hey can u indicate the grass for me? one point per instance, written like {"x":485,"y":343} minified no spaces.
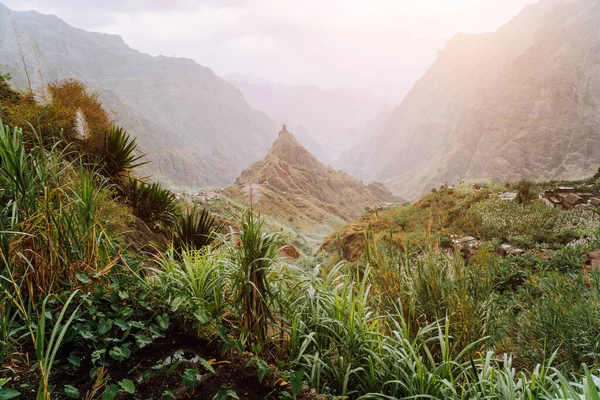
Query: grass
{"x":411,"y":317}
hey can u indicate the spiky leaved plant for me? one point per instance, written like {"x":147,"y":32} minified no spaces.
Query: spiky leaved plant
{"x":120,"y":153}
{"x":152,"y":203}
{"x":250,"y":264}
{"x":195,"y":230}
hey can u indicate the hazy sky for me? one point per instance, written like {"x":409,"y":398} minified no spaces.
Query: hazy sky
{"x":379,"y":45}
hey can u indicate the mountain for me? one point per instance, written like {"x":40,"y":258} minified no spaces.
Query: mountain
{"x":196,"y":127}
{"x":519,"y":103}
{"x":336,"y":118}
{"x":293,"y":187}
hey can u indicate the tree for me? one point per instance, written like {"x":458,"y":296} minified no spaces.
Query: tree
{"x":525,"y":192}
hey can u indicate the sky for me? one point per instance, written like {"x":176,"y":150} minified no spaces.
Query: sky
{"x":381,"y":46}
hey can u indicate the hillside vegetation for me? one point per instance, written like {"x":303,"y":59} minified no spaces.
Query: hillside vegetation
{"x":112,"y":289}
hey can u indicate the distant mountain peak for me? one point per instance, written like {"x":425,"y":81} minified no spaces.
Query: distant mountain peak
{"x":292,"y":183}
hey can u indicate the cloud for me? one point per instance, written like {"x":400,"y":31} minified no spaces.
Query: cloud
{"x":378,"y":45}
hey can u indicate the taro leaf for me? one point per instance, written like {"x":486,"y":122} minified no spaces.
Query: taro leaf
{"x":206,"y":365}
{"x":74,"y":360}
{"x":92,"y":310}
{"x":104,"y":326}
{"x":201,"y":317}
{"x":125,"y":313}
{"x":157,"y":331}
{"x":142,"y":339}
{"x":71,"y":392}
{"x":127,"y":385}
{"x":263,"y":369}
{"x":6,"y":393}
{"x":121,"y":324}
{"x":97,"y":355}
{"x":123,"y":295}
{"x":137,"y":324}
{"x":119,"y":353}
{"x":177,"y":302}
{"x":111,"y":392}
{"x":86,"y":334}
{"x":83,"y":278}
{"x":296,"y":382}
{"x":225,"y":394}
{"x":168,"y":393}
{"x":163,"y":321}
{"x":190,"y":378}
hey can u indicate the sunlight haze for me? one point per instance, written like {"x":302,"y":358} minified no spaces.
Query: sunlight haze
{"x":381,"y":46}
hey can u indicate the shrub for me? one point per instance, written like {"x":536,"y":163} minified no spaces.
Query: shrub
{"x":120,"y":153}
{"x":249,"y":264}
{"x":195,"y":230}
{"x":152,"y":203}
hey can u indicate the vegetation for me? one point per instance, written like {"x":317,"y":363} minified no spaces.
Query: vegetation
{"x":414,"y":315}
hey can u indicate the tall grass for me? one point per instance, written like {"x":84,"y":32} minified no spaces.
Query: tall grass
{"x":252,"y":256}
{"x":54,"y":215}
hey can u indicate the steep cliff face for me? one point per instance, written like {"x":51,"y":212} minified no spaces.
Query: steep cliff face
{"x":521,"y":102}
{"x":196,"y":127}
{"x":291,"y":185}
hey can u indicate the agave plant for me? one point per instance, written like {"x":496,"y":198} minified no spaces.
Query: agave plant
{"x":120,"y":153}
{"x":195,"y":230}
{"x":151,"y":202}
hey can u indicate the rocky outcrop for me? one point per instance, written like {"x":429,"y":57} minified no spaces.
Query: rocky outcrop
{"x":292,"y":186}
{"x":519,"y":103}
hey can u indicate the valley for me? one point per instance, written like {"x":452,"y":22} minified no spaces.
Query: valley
{"x":161,"y":237}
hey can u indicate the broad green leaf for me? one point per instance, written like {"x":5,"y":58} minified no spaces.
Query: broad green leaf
{"x":74,"y":360}
{"x":83,"y":278}
{"x":127,"y":385}
{"x":121,"y":324}
{"x":6,"y":393}
{"x":157,"y":331}
{"x":111,"y":392}
{"x":119,"y":353}
{"x":71,"y":392}
{"x":104,"y":326}
{"x":168,"y":393}
{"x":191,"y":378}
{"x":206,"y":365}
{"x":176,"y":303}
{"x":263,"y":369}
{"x":163,"y":321}
{"x":296,"y":382}
{"x":142,"y":339}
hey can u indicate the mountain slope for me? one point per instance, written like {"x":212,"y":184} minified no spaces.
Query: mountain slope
{"x":293,"y":187}
{"x":336,"y":118}
{"x":518,"y":103}
{"x":196,"y":127}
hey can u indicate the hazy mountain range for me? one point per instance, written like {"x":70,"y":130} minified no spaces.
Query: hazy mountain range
{"x":522,"y":102}
{"x":195,"y":126}
{"x":327,"y":121}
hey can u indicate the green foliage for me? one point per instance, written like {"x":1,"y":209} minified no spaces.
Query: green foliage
{"x":525,"y":192}
{"x":120,"y":153}
{"x":249,"y":264}
{"x":195,"y":230}
{"x":198,"y":274}
{"x":152,"y":203}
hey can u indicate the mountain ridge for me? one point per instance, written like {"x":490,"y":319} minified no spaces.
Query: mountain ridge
{"x":294,"y":187}
{"x":213,"y":132}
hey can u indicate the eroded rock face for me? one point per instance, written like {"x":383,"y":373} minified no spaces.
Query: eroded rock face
{"x":519,"y":103}
{"x":290,"y":183}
